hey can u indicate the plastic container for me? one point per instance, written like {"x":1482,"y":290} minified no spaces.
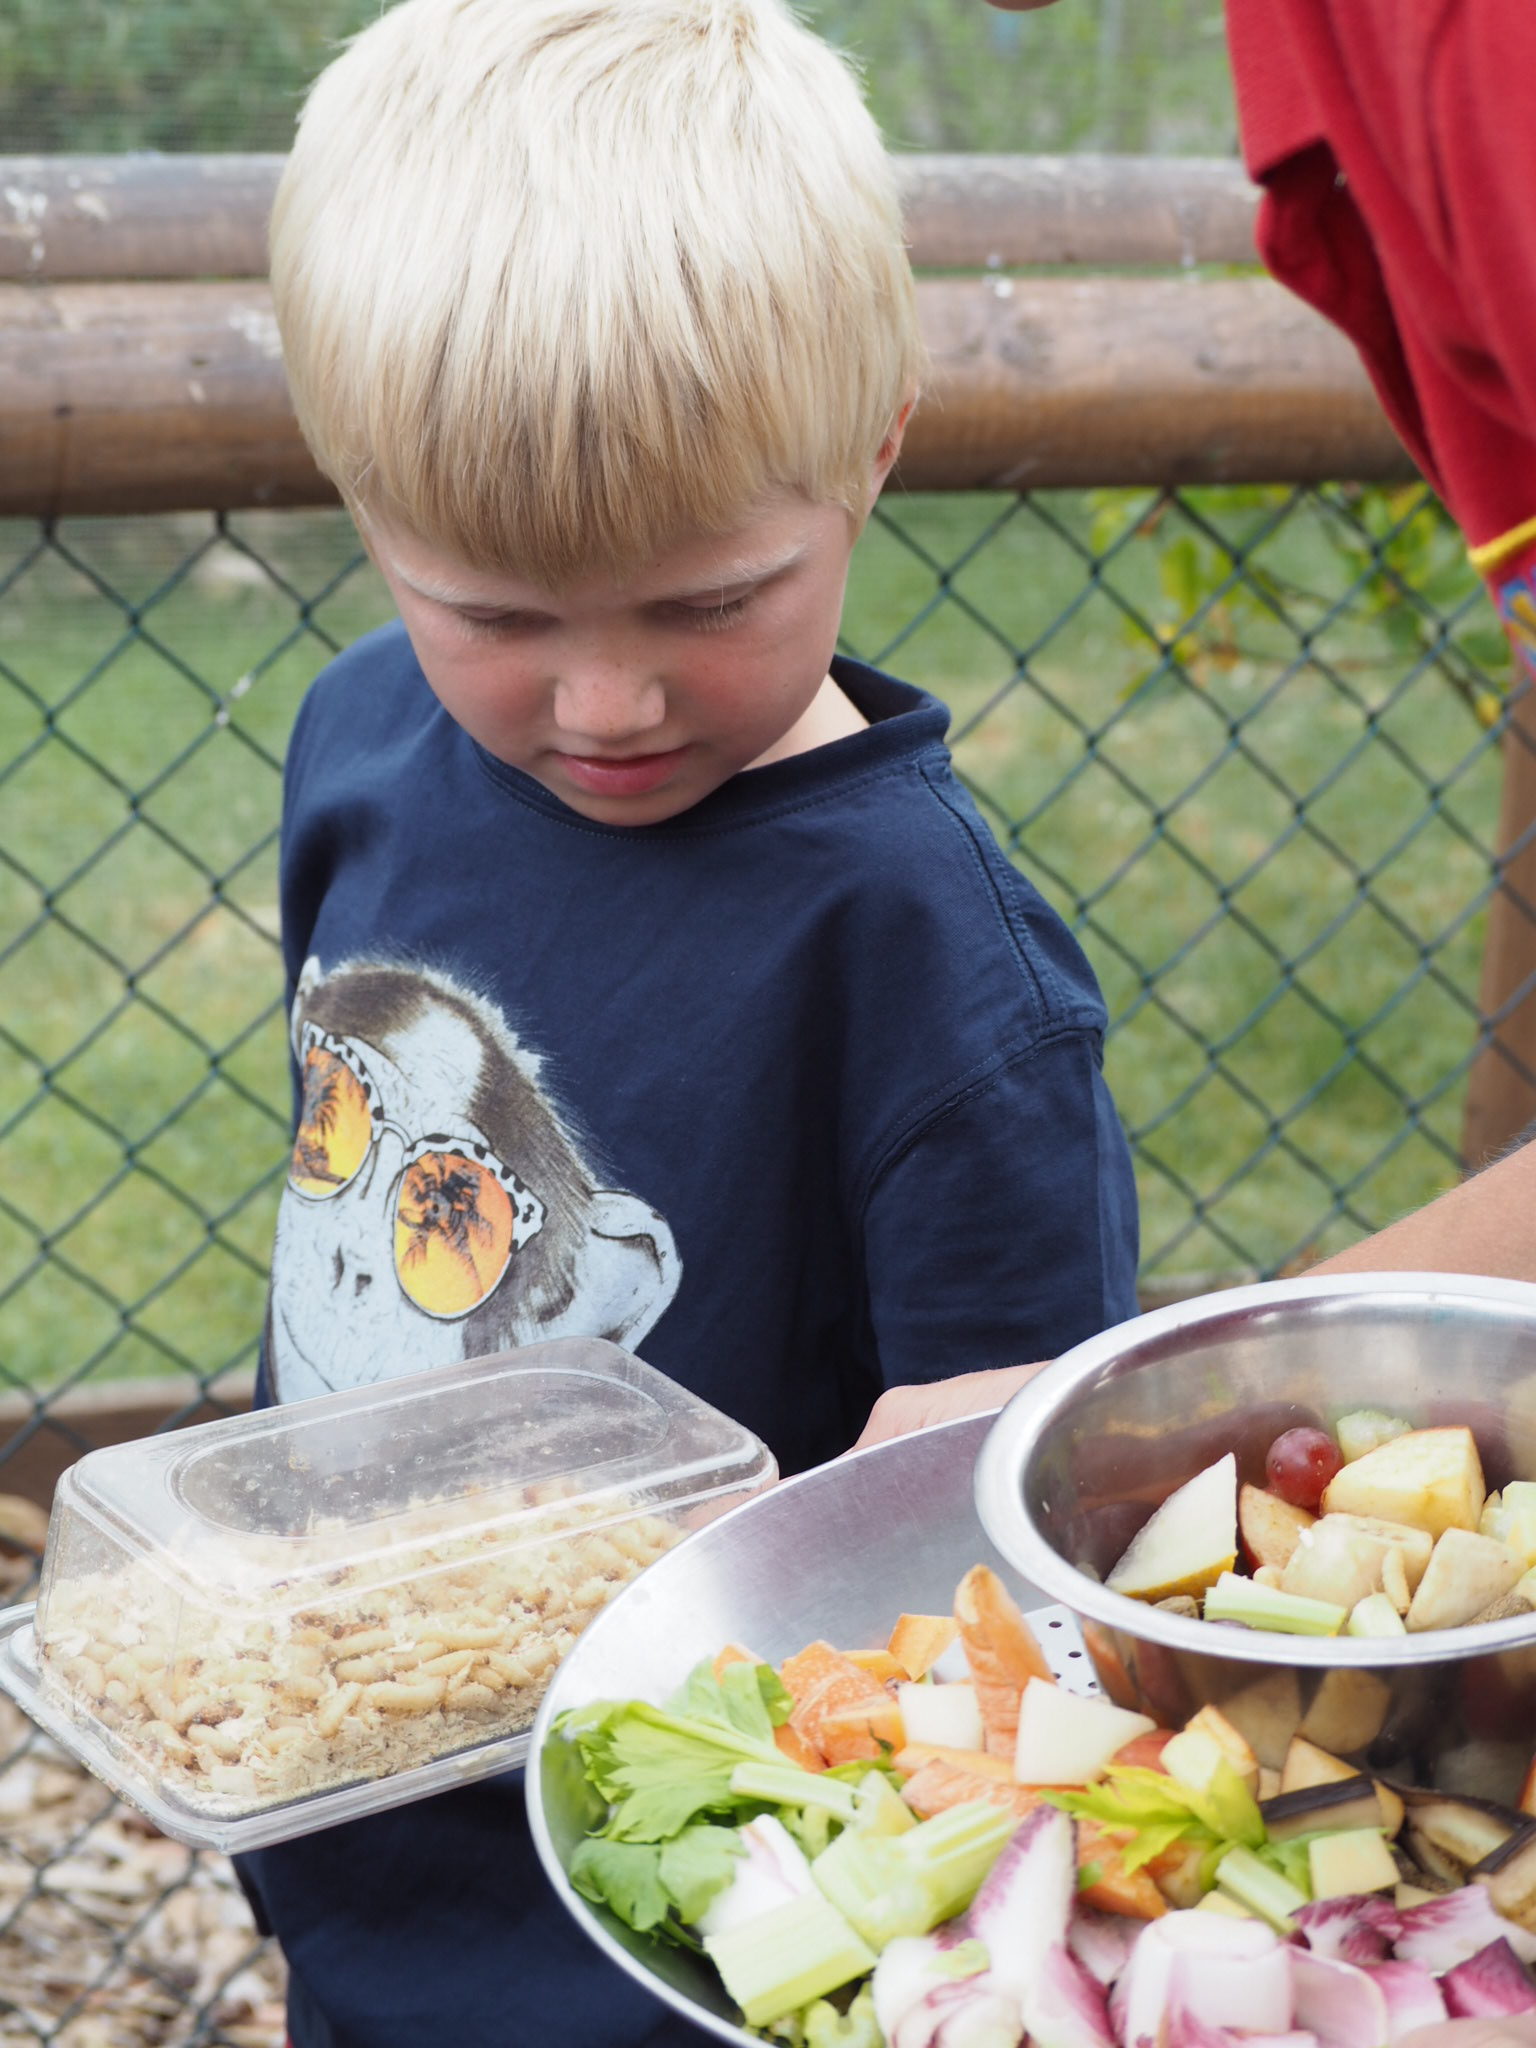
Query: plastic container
{"x":261,"y":1626}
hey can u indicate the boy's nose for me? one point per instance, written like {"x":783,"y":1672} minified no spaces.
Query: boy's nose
{"x":606,"y":702}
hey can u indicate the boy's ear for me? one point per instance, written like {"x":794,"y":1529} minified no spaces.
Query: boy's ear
{"x":890,"y":448}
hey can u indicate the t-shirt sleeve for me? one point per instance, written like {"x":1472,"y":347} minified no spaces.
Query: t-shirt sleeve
{"x":1005,"y":1230}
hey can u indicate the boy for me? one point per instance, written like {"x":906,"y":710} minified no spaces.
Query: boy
{"x":651,"y":975}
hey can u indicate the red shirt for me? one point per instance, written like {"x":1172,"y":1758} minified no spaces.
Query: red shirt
{"x":1396,"y":142}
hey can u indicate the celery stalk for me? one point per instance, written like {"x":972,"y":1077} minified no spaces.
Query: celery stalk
{"x":782,"y":1959}
{"x":788,"y":1785}
{"x":1253,"y":1884}
{"x":888,"y":1885}
{"x":1234,"y":1598}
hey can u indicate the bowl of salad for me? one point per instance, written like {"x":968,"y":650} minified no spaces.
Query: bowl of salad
{"x":1311,"y":1504}
{"x":831,"y":1775}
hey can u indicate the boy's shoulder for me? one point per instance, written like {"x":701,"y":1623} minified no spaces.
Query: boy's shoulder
{"x":931,"y":882}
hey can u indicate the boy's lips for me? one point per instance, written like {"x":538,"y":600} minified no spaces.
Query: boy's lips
{"x":621,"y":775}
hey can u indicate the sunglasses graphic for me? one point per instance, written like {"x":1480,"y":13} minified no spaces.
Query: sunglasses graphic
{"x":458,"y":1214}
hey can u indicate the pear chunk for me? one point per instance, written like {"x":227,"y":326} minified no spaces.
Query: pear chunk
{"x":1431,"y":1479}
{"x":1465,"y":1574}
{"x":1189,"y":1541}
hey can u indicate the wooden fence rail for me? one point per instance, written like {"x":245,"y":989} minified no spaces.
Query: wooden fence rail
{"x":141,"y":371}
{"x":101,"y":217}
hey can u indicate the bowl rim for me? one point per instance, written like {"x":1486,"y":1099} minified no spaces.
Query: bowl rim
{"x":1006,"y":1517}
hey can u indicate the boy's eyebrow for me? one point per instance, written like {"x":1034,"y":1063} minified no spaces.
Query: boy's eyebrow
{"x":738,"y":575}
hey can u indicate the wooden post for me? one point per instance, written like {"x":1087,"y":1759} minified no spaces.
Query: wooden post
{"x":1501,"y":1088}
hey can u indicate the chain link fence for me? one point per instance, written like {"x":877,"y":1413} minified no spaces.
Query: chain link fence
{"x":1247,"y":740}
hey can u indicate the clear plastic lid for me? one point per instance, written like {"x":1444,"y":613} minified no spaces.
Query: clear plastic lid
{"x":259,"y":1625}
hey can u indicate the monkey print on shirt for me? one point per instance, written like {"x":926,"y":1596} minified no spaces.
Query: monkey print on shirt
{"x":436,"y":1206}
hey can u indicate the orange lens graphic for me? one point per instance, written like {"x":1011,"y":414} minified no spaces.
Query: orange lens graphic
{"x":453,"y":1233}
{"x":335,"y":1126}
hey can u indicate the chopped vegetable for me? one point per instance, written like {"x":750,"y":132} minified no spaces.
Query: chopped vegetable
{"x":932,"y":1899}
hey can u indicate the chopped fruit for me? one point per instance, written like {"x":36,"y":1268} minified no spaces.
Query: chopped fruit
{"x":1001,"y":1651}
{"x":1347,"y":1711}
{"x":1064,"y":1739}
{"x":1430,"y":1478}
{"x":1375,"y":1616}
{"x":1510,"y":1517}
{"x":1188,"y":1543}
{"x":1465,"y":1573}
{"x":1366,"y":1429}
{"x":1233,"y":1745}
{"x":1299,"y":1466}
{"x":947,"y":1715}
{"x":1352,"y":1861}
{"x":1269,"y":1526}
{"x":1335,"y":1562}
{"x":1268,"y":1713}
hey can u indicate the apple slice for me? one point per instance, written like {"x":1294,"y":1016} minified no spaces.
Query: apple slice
{"x":1466,"y":1573}
{"x":1269,"y":1526}
{"x":1431,"y":1478}
{"x":1189,"y":1541}
{"x":1066,"y":1739}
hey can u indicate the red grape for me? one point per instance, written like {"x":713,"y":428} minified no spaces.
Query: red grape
{"x":1300,"y":1464}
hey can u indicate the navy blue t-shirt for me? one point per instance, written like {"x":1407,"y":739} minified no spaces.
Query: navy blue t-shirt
{"x":798,"y":1095}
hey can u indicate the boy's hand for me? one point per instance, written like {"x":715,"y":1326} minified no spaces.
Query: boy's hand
{"x":903,"y":1409}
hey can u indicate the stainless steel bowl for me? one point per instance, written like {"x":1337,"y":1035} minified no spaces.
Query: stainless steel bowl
{"x":838,"y":1553}
{"x":1079,"y":1458}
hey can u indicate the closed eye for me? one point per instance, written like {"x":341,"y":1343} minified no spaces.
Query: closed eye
{"x":710,"y":617}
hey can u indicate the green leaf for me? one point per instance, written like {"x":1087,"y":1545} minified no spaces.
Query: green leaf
{"x":625,"y":1876}
{"x":696,"y":1866}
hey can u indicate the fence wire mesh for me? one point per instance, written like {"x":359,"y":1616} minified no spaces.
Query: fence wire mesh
{"x":1246,"y":740}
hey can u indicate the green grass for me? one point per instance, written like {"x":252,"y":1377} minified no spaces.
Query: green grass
{"x":1289,"y":1043}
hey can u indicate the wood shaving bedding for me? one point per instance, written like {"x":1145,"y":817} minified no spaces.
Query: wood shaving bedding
{"x":255,"y":1703}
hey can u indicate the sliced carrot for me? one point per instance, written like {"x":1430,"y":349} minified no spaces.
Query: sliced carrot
{"x":939,"y":1785}
{"x":1114,"y":1888}
{"x":918,"y":1641}
{"x":822,"y":1681}
{"x":793,"y":1745}
{"x":880,"y":1664}
{"x":910,"y":1760}
{"x":1001,"y":1649}
{"x":871,"y":1728}
{"x":733,"y":1653}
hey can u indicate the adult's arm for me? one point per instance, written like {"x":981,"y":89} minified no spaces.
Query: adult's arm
{"x":1486,"y":1225}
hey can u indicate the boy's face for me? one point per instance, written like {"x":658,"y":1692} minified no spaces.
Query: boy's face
{"x":632,"y":702}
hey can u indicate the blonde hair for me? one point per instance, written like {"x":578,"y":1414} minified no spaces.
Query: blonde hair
{"x":561,"y":282}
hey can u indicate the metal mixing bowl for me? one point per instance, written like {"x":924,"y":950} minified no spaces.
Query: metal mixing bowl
{"x":838,"y":1553}
{"x":1077,"y":1461}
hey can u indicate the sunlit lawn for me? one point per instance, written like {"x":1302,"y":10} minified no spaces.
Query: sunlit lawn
{"x":1283,"y":922}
